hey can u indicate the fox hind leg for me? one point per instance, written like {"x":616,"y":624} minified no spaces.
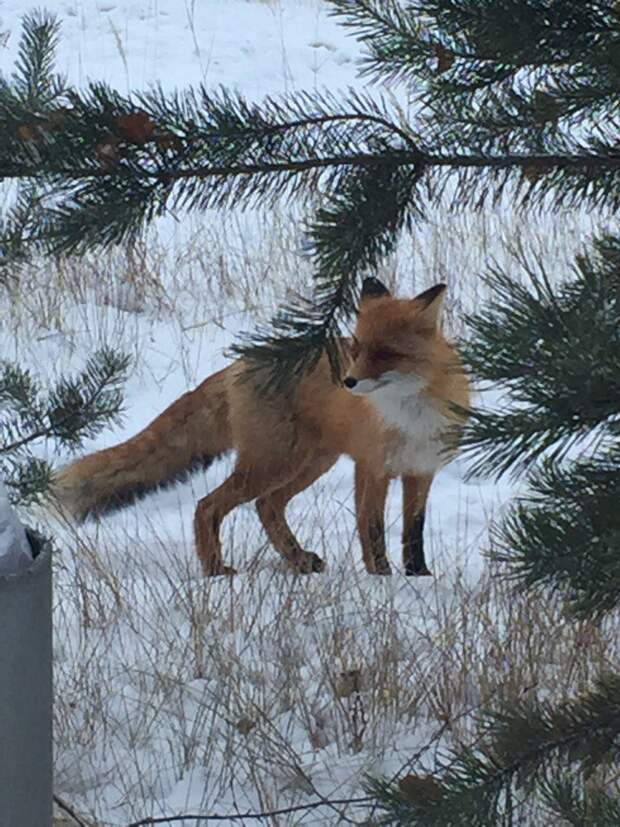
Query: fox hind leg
{"x":271,"y":511}
{"x":245,"y":483}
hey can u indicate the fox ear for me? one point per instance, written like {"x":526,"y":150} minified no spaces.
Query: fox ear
{"x":429,"y":303}
{"x":372,"y":288}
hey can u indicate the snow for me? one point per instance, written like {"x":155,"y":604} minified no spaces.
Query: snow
{"x":257,"y":48}
{"x":180,"y":695}
{"x":15,"y":554}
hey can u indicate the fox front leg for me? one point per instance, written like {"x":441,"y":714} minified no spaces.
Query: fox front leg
{"x":415,"y":495}
{"x":370,"y":494}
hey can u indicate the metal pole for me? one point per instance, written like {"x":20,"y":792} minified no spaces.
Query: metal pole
{"x":26,"y":692}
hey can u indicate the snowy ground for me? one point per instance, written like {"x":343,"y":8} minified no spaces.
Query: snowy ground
{"x":175,"y":695}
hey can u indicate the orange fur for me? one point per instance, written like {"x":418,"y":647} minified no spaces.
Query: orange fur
{"x":404,"y":380}
{"x":192,"y":431}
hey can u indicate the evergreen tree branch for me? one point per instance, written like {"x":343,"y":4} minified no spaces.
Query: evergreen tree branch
{"x":348,"y":236}
{"x":567,"y":799}
{"x":33,"y":80}
{"x":564,"y":534}
{"x":25,"y":479}
{"x":35,"y":88}
{"x":556,"y":352}
{"x":524,"y":745}
{"x":592,"y":162}
{"x":497,"y":106}
{"x":75,"y":409}
{"x":482,"y":42}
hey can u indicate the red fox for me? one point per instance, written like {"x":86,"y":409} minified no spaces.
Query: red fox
{"x":394,"y":415}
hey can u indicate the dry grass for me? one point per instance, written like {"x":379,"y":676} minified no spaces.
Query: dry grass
{"x":271,"y":688}
{"x":277,"y":688}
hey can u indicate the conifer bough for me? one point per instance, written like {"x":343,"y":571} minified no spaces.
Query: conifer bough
{"x":497,"y":91}
{"x":73,"y":410}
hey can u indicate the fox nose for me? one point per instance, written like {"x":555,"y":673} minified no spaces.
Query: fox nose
{"x":350,"y":382}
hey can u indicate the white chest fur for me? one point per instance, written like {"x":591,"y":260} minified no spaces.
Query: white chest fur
{"x":417,"y":445}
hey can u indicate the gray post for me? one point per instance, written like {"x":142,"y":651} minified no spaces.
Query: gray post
{"x":26,"y":692}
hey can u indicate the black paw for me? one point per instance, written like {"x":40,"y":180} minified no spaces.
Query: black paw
{"x":218,"y":570}
{"x":422,"y":571}
{"x":382,"y":567}
{"x":310,"y":563}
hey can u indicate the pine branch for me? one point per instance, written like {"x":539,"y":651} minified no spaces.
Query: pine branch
{"x":556,"y":352}
{"x":348,"y":237}
{"x":28,"y":97}
{"x":460,"y":46}
{"x":524,"y":743}
{"x":73,"y":410}
{"x":498,"y":105}
{"x":566,"y":799}
{"x":25,"y":478}
{"x":17,"y":229}
{"x":33,"y":81}
{"x":564,"y":534}
{"x":393,"y":35}
{"x":79,"y":406}
{"x":604,"y":160}
{"x":116,"y":162}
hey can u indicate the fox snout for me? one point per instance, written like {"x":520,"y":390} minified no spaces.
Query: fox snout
{"x":350,"y":382}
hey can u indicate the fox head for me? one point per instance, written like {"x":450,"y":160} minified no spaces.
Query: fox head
{"x":395,"y":339}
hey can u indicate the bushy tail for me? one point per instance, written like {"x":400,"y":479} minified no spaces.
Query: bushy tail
{"x":188,"y":435}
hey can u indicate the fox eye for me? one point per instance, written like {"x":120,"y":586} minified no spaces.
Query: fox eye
{"x":384,"y":355}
